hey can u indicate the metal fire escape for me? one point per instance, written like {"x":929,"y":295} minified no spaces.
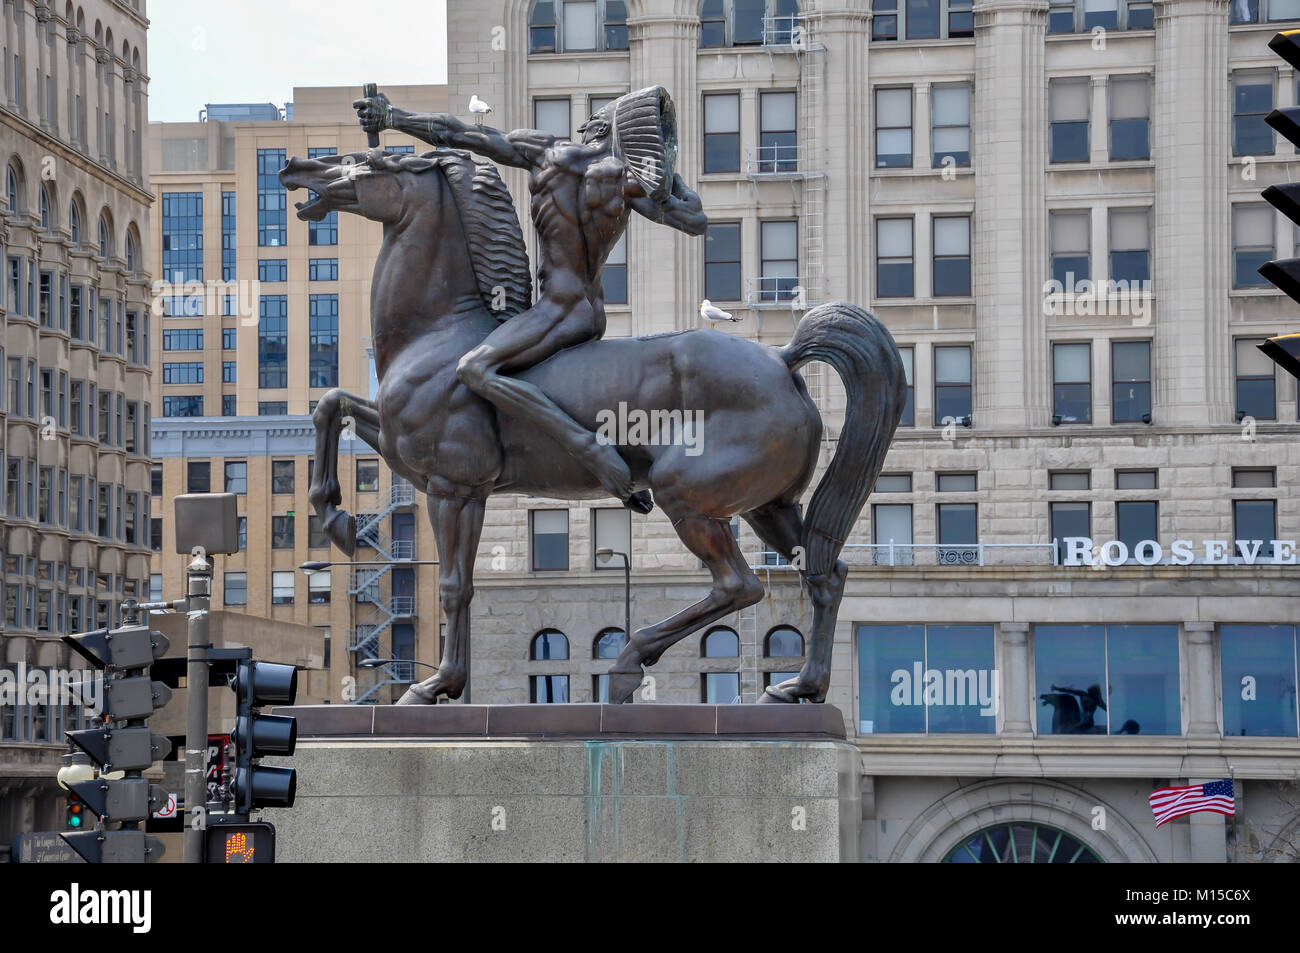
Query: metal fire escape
{"x":376,"y":613}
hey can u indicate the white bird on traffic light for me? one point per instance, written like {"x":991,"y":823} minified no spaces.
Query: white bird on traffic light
{"x":711,"y":313}
{"x":478,"y":108}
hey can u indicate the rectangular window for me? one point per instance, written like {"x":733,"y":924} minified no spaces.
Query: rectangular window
{"x":1130,"y":245}
{"x":1256,"y":381}
{"x":228,"y":405}
{"x":923,"y":19}
{"x":895,"y":694}
{"x":272,"y":202}
{"x":1130,"y":117}
{"x":778,"y":149}
{"x":950,"y":126}
{"x":611,"y":529}
{"x":282,"y":532}
{"x":548,"y":689}
{"x":779,"y":262}
{"x":894,"y":268}
{"x":241,"y":533}
{"x":1069,"y":520}
{"x":1068,"y":109}
{"x":1107,"y":679}
{"x":951,"y":256}
{"x":198,"y":476}
{"x":1263,"y":656}
{"x":228,"y":247}
{"x":155,"y":479}
{"x":229,"y":338}
{"x":1252,"y":244}
{"x":884,"y":20}
{"x":235,"y":589}
{"x":550,"y":539}
{"x":188,"y":372}
{"x":958,"y":531}
{"x":282,"y":588}
{"x":316,"y":538}
{"x":894,"y":128}
{"x":323,"y":269}
{"x":273,"y":342}
{"x":1130,"y":376}
{"x":236,"y":476}
{"x":722,"y":133}
{"x":1255,"y":522}
{"x":1071,"y":260}
{"x":272,"y":269}
{"x":614,"y":277}
{"x":1135,"y":522}
{"x":190,"y":405}
{"x":367,"y":476}
{"x":182,"y":237}
{"x":272,"y":408}
{"x":229,"y":370}
{"x":891,"y":532}
{"x":1072,"y":383}
{"x":323,"y":342}
{"x":552,"y":115}
{"x":318,"y":588}
{"x":183,"y":339}
{"x":908,"y":355}
{"x":326,"y":230}
{"x":282,"y":476}
{"x":722,"y":262}
{"x":952,"y":384}
{"x":1252,"y":101}
{"x":579,"y":25}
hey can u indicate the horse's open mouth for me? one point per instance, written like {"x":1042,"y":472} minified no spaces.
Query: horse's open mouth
{"x":312,"y":210}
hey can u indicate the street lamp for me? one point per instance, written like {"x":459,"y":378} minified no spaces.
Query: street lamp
{"x":605,"y":554}
{"x":376,"y":662}
{"x":310,"y":567}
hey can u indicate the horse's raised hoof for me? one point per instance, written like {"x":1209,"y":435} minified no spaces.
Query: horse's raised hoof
{"x":341,"y":528}
{"x":640,"y":502}
{"x":622,"y":685}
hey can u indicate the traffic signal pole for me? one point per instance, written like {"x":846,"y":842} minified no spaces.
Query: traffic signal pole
{"x":198,"y":598}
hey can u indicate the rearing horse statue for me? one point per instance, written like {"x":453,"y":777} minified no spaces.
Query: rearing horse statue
{"x":452,"y":263}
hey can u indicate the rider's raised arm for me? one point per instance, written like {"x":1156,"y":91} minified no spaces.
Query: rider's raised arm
{"x":681,"y":210}
{"x":520,"y":149}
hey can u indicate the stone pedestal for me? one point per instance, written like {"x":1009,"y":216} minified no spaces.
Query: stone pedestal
{"x":540,"y":783}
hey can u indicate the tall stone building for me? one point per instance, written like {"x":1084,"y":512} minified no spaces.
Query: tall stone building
{"x":261,"y":315}
{"x":74,"y":345}
{"x":1055,"y":209}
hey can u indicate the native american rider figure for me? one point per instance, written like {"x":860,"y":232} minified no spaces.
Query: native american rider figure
{"x":582,"y":195}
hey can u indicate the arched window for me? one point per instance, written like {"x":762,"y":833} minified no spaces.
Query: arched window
{"x":747,"y":22}
{"x":549,"y":645}
{"x":575,"y":26}
{"x":1022,"y":843}
{"x":74,"y":221}
{"x":720,"y":642}
{"x":783,"y":642}
{"x":608,"y":643}
{"x":14,"y":188}
{"x":46,"y":204}
{"x":105,"y":237}
{"x":132,"y":252}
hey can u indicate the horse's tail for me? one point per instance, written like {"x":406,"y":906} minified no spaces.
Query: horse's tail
{"x":863,"y":353}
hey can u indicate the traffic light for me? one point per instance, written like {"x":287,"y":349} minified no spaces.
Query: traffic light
{"x":255,"y":785}
{"x":121,"y":747}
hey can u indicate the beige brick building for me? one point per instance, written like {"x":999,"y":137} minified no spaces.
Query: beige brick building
{"x":1055,"y":209}
{"x":74,"y":333}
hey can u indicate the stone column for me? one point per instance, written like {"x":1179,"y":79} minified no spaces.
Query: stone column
{"x":1209,"y":834}
{"x":1202,"y":712}
{"x":1189,"y":114}
{"x":1017,"y":685}
{"x":73,"y":37}
{"x":43,"y":108}
{"x":103,"y":65}
{"x":1099,"y":125}
{"x":128,"y":122}
{"x":11,"y":43}
{"x":1009,"y":152}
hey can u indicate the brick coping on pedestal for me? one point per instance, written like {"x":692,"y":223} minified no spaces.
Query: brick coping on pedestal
{"x":570,"y":721}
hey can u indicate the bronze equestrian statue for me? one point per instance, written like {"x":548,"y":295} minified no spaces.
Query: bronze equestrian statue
{"x":453,"y":265}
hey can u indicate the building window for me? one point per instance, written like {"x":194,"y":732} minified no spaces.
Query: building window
{"x":183,"y":339}
{"x":720,"y":688}
{"x":1072,"y":383}
{"x":241,"y":533}
{"x":550,"y":543}
{"x":894,"y":128}
{"x":1071,"y":261}
{"x":891,"y":532}
{"x":1069,"y":520}
{"x":1130,"y":117}
{"x":318,"y":588}
{"x":282,"y":588}
{"x":722,"y":133}
{"x":608,"y":644}
{"x":182,"y":238}
{"x":325,"y":231}
{"x":951,"y":256}
{"x":272,"y":269}
{"x":323,"y":269}
{"x":1130,"y":375}
{"x":156,"y":479}
{"x":552,"y":115}
{"x":611,"y":529}
{"x":578,"y":25}
{"x":281,"y":476}
{"x":1130,"y":245}
{"x":1254,"y":521}
{"x":1075,"y":16}
{"x":271,"y":199}
{"x":367,"y":476}
{"x":323,"y":327}
{"x":957,"y":532}
{"x":783,"y":642}
{"x":236,"y":476}
{"x":548,"y":689}
{"x":198,"y":476}
{"x":1252,"y":244}
{"x":272,"y":408}
{"x":1256,"y":381}
{"x":950,"y":125}
{"x":952,"y":384}
{"x":1260,"y":11}
{"x":155,"y":534}
{"x":894,"y":694}
{"x":187,"y":372}
{"x":894,"y":269}
{"x":549,"y":645}
{"x":227,"y":405}
{"x":1068,"y":103}
{"x":235,"y":589}
{"x":778,"y":147}
{"x":229,"y":370}
{"x":229,"y":338}
{"x":1263,"y":656}
{"x":1252,"y":101}
{"x":1136,"y":521}
{"x":779,"y":262}
{"x":722,"y":262}
{"x":908,"y":355}
{"x":747,"y":22}
{"x":922,"y":19}
{"x":614,"y":276}
{"x":273,"y":342}
{"x":316,"y":538}
{"x":228,"y":247}
{"x":1107,"y":679}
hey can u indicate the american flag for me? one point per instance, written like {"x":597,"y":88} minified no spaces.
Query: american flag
{"x":1168,"y":803}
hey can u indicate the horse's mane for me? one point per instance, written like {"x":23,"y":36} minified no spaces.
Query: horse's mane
{"x":496,"y":243}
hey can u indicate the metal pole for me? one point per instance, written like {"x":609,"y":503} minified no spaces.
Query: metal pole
{"x":198,"y":590}
{"x":627,"y":596}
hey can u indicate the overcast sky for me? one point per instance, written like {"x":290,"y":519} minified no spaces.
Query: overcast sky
{"x":256,"y":51}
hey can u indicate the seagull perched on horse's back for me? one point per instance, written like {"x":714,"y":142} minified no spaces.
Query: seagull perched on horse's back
{"x":709,"y":312}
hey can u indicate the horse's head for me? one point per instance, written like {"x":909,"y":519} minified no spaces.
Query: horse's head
{"x":363,"y":183}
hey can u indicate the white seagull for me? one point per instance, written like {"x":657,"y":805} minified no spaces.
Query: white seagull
{"x":478,"y":108}
{"x":711,"y":313}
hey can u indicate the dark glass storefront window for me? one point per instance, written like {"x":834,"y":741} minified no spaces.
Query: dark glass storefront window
{"x":1259,"y":680}
{"x":918,"y":678}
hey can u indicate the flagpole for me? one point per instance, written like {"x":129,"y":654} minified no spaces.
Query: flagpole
{"x":1238,"y":830}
